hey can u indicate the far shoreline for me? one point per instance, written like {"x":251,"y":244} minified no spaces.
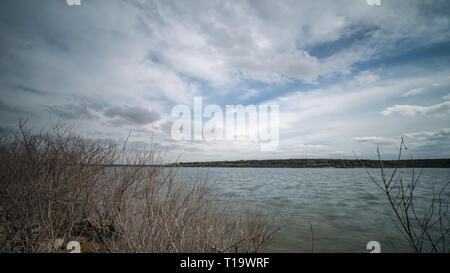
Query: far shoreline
{"x":303,"y":164}
{"x":318,"y":163}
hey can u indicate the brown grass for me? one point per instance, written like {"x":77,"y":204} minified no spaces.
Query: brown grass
{"x":58,"y":186}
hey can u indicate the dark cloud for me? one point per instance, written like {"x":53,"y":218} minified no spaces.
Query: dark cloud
{"x":135,"y":115}
{"x":5,"y":107}
{"x":56,"y":43}
{"x":439,"y":135}
{"x":121,"y":115}
{"x":29,"y":89}
{"x":71,"y":111}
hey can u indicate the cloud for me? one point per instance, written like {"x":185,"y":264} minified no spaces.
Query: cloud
{"x":442,"y":134}
{"x":335,"y":116}
{"x":71,"y":111}
{"x":131,"y":115}
{"x":8,"y":108}
{"x":414,"y":91}
{"x":249,"y":93}
{"x":375,"y":140}
{"x":279,"y":68}
{"x":166,"y":128}
{"x":434,"y":144}
{"x":120,"y":115}
{"x":226,"y":43}
{"x":30,"y":90}
{"x":366,"y":77}
{"x":415,"y":140}
{"x":440,"y":109}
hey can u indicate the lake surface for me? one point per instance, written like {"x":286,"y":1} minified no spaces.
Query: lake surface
{"x":345,"y":209}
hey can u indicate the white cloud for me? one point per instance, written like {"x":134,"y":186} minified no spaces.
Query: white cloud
{"x":366,"y":77}
{"x":414,"y":91}
{"x":279,"y":67}
{"x":336,"y":115}
{"x":440,"y":109}
{"x":441,"y":134}
{"x":224,"y":44}
{"x":375,"y":140}
{"x":249,"y":93}
{"x":266,"y":41}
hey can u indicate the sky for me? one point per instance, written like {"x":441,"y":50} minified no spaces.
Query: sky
{"x":347,"y":76}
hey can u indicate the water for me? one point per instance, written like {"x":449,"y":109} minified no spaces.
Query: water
{"x":345,"y":209}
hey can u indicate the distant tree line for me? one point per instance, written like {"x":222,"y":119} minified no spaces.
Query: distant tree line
{"x":321,"y":163}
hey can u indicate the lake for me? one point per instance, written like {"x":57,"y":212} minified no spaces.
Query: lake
{"x":345,"y":209}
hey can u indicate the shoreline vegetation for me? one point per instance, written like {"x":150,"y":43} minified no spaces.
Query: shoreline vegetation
{"x":320,"y":163}
{"x":57,"y":187}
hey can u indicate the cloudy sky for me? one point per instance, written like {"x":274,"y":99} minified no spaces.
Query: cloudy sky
{"x":347,"y":76}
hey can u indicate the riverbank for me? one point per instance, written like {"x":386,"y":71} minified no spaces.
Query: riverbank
{"x":319,"y":163}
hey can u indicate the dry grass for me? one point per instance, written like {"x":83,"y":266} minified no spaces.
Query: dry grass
{"x":58,"y":186}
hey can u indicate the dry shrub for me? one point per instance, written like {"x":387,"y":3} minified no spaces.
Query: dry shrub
{"x":56,"y":187}
{"x":425,"y":225}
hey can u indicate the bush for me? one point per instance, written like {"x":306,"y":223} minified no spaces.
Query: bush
{"x":56,"y":187}
{"x":426,"y":228}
